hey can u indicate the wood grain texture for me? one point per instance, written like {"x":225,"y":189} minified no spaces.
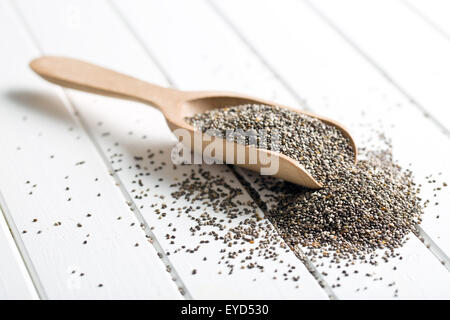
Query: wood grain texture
{"x":338,"y":82}
{"x":51,"y":178}
{"x":217,"y":56}
{"x":125,"y":130}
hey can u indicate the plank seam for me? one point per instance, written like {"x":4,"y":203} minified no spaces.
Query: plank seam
{"x":420,"y":233}
{"x":128,"y":199}
{"x":176,"y":278}
{"x":432,"y":246}
{"x":141,"y":43}
{"x":296,"y":250}
{"x":301,"y":101}
{"x":3,"y":206}
{"x":70,"y":106}
{"x":376,"y":66}
{"x":26,"y":259}
{"x":426,"y":19}
{"x":323,"y":284}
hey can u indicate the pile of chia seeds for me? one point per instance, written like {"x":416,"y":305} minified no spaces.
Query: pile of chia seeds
{"x":203,"y":214}
{"x":317,"y":146}
{"x":366,"y":206}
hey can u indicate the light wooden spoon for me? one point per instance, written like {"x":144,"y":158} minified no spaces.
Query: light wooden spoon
{"x":175,"y":105}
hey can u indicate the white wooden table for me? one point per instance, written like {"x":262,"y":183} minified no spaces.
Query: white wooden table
{"x":385,"y":62}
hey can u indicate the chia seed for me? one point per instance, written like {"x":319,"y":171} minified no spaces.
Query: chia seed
{"x":365,"y":206}
{"x":317,"y":146}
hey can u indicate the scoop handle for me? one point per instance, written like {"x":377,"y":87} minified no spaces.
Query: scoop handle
{"x":84,"y":76}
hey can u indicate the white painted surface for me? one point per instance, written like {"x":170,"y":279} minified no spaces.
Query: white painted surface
{"x":285,"y":52}
{"x":411,"y":53}
{"x":15,"y":282}
{"x":432,"y":12}
{"x":337,"y":82}
{"x":206,"y":54}
{"x":417,"y":140}
{"x":42,"y":144}
{"x":121,"y":117}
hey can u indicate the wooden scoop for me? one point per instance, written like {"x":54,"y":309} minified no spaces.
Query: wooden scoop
{"x":176,"y":105}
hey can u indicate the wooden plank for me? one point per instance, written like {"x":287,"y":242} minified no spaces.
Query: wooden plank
{"x":60,"y":194}
{"x":411,"y":53}
{"x":431,"y":71}
{"x":15,"y":282}
{"x":128,"y":130}
{"x":217,"y":57}
{"x":202,"y":49}
{"x":358,"y":102}
{"x":433,"y":12}
{"x":337,"y":82}
{"x":407,"y":277}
